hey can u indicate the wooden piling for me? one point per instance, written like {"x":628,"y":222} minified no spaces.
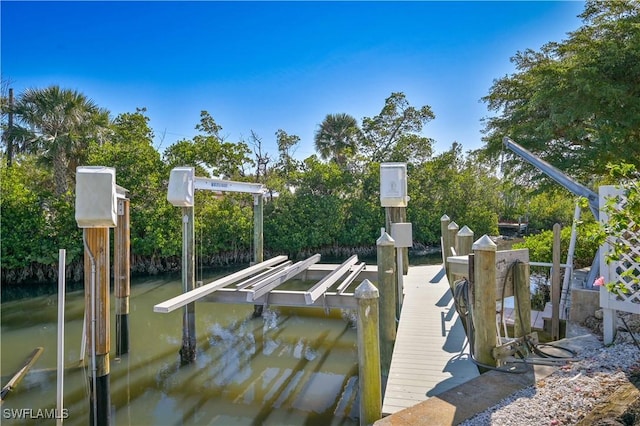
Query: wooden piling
{"x":398,"y":215}
{"x":452,"y":233}
{"x":258,"y":240}
{"x":464,"y":241}
{"x":387,"y":287}
{"x":258,"y":230}
{"x":369,"y":373}
{"x":444,"y":235}
{"x":97,"y":280}
{"x":522,"y":298}
{"x":188,"y":349}
{"x":122,"y":276}
{"x":555,"y":284}
{"x":484,"y":300}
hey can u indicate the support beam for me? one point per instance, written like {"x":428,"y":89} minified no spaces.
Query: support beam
{"x":355,"y":271}
{"x":292,"y":298}
{"x":268,"y":284}
{"x":323,"y":285}
{"x":262,"y":275}
{"x":228,"y":186}
{"x":122,"y":276}
{"x":183,"y":299}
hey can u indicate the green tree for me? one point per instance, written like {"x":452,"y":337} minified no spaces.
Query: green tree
{"x":575,"y":103}
{"x":57,"y":125}
{"x":463,"y":188}
{"x":394,"y":134}
{"x":338,"y":138}
{"x":208,"y":152}
{"x":140,"y":170}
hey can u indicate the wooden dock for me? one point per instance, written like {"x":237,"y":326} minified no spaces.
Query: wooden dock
{"x":431,"y":350}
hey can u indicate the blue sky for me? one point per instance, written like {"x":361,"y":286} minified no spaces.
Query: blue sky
{"x":264,"y":66}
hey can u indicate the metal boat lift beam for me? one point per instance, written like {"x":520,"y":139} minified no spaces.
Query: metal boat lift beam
{"x":570,"y":184}
{"x":555,"y":174}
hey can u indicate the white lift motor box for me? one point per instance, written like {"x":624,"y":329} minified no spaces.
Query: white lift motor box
{"x":393,"y":185}
{"x":96,"y":203}
{"x":181,"y":186}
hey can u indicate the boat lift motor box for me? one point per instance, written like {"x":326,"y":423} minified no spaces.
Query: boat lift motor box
{"x":181,"y":186}
{"x":393,"y":185}
{"x":96,"y":197}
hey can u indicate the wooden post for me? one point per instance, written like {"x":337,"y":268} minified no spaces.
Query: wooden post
{"x":122,"y":276}
{"x":387,"y":285}
{"x":522,"y":298}
{"x":370,"y":380}
{"x":258,"y":233}
{"x":188,"y":349}
{"x":444,"y":234}
{"x":258,"y":240}
{"x":452,"y":233}
{"x":398,"y":215}
{"x":464,"y":241}
{"x":484,"y":300}
{"x":96,"y":281}
{"x":555,"y":284}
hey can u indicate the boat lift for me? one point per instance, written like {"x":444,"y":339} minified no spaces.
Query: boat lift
{"x":568,"y":183}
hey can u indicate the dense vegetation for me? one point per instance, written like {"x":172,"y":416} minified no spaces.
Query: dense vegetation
{"x":572,"y":103}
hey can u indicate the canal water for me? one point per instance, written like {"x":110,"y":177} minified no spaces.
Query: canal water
{"x":290,"y":367}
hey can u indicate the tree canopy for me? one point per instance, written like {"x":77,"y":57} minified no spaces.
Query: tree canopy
{"x":575,"y":103}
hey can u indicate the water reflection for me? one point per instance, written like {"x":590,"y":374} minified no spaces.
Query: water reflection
{"x":291,"y":367}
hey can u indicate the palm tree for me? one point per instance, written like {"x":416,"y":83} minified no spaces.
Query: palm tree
{"x":57,"y":125}
{"x":338,"y":138}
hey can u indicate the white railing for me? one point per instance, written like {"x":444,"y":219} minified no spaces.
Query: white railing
{"x":616,"y":271}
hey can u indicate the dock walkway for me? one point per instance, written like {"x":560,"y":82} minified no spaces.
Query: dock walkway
{"x":430,"y":354}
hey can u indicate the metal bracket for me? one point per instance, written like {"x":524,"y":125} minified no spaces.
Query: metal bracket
{"x":517,"y":345}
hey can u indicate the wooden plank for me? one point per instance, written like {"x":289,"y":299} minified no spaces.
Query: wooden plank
{"x":323,"y":285}
{"x":266,"y":285}
{"x":18,"y":375}
{"x":193,"y":295}
{"x":420,"y":362}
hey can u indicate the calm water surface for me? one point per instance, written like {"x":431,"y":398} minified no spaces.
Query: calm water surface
{"x":290,"y":367}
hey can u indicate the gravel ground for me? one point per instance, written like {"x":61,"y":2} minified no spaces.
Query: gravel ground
{"x":569,"y":394}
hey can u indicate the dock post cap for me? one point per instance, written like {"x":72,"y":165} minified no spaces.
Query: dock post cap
{"x":484,"y":243}
{"x":453,"y":226}
{"x":465,"y":231}
{"x":444,"y":218}
{"x":366,"y":290}
{"x":385,"y":240}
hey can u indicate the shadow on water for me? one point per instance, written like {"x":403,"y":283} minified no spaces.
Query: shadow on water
{"x":292,"y":366}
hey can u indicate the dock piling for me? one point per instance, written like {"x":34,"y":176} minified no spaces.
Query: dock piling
{"x":370,"y":380}
{"x":98,"y":330}
{"x":484,"y":300}
{"x":387,"y":287}
{"x":188,"y":349}
{"x":122,"y":276}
